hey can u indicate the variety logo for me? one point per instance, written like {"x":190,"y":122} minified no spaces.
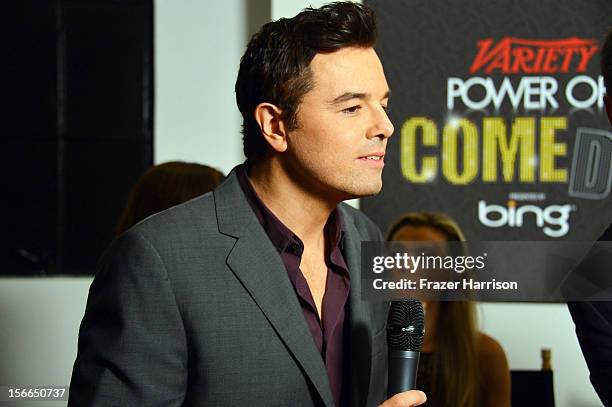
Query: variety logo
{"x":516,"y":55}
{"x":553,"y":219}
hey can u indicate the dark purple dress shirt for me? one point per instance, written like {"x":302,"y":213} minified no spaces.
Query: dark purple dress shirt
{"x":328,"y":334}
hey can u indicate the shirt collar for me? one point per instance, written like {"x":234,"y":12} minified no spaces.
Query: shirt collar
{"x":281,"y":236}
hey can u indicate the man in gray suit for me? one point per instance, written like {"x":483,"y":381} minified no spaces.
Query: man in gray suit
{"x":250,"y":295}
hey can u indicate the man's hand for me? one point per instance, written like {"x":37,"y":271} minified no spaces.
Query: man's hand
{"x":406,"y":399}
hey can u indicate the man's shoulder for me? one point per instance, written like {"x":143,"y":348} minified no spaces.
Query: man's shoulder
{"x":364,"y":225}
{"x":195,"y":216}
{"x":606,"y":235}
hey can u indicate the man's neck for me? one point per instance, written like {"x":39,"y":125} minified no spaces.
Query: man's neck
{"x":303,"y":212}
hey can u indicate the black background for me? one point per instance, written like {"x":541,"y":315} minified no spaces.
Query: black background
{"x":77,"y":131}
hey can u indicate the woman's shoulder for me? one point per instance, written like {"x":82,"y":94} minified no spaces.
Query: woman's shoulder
{"x":489,"y":347}
{"x":495,"y":373}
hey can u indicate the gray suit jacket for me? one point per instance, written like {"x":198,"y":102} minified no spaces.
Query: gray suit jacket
{"x":193,"y":306}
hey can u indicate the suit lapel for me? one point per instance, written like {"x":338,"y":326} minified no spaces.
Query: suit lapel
{"x":256,"y":263}
{"x":360,"y":325}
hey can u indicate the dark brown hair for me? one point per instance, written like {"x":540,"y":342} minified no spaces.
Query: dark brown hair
{"x":165,"y":185}
{"x":606,"y":63}
{"x":275,"y":65}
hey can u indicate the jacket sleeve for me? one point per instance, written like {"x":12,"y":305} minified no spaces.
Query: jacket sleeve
{"x":594,"y":330}
{"x":132,"y":346}
{"x":593,"y":321}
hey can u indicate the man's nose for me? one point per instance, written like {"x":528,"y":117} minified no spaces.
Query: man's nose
{"x":381,"y":126}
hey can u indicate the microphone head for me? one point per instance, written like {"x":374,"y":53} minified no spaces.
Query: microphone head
{"x":405,"y":325}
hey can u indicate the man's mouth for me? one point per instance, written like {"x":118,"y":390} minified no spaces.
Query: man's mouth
{"x":374,"y":158}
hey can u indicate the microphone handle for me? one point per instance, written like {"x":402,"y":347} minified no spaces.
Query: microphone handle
{"x":403,"y":366}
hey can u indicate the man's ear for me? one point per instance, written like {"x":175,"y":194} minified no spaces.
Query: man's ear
{"x":608,"y":103}
{"x":270,"y":120}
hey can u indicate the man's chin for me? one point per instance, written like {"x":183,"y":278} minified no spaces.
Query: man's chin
{"x":365,"y":192}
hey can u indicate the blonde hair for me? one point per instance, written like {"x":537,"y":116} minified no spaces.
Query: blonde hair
{"x":456,"y":376}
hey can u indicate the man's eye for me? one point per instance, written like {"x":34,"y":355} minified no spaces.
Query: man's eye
{"x":351,"y":110}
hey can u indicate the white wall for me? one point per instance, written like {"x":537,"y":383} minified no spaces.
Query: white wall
{"x":198,"y":47}
{"x":288,"y":8}
{"x":524,"y":329}
{"x":39,"y":320}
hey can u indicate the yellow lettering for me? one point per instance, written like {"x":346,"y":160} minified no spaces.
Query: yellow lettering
{"x":522,"y":142}
{"x":408,"y":149}
{"x":460,"y":148}
{"x":450,"y":152}
{"x":549,"y":149}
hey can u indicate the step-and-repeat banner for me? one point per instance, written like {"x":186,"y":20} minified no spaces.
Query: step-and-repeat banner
{"x":499,"y":116}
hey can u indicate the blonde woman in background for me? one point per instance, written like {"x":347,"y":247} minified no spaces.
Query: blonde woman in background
{"x":459,"y":365}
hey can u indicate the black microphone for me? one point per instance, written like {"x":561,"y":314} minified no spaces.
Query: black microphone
{"x":405,"y":330}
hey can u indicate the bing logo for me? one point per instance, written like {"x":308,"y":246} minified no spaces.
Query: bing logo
{"x":553,"y":219}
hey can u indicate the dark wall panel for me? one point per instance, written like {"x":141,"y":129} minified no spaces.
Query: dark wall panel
{"x":78,"y":131}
